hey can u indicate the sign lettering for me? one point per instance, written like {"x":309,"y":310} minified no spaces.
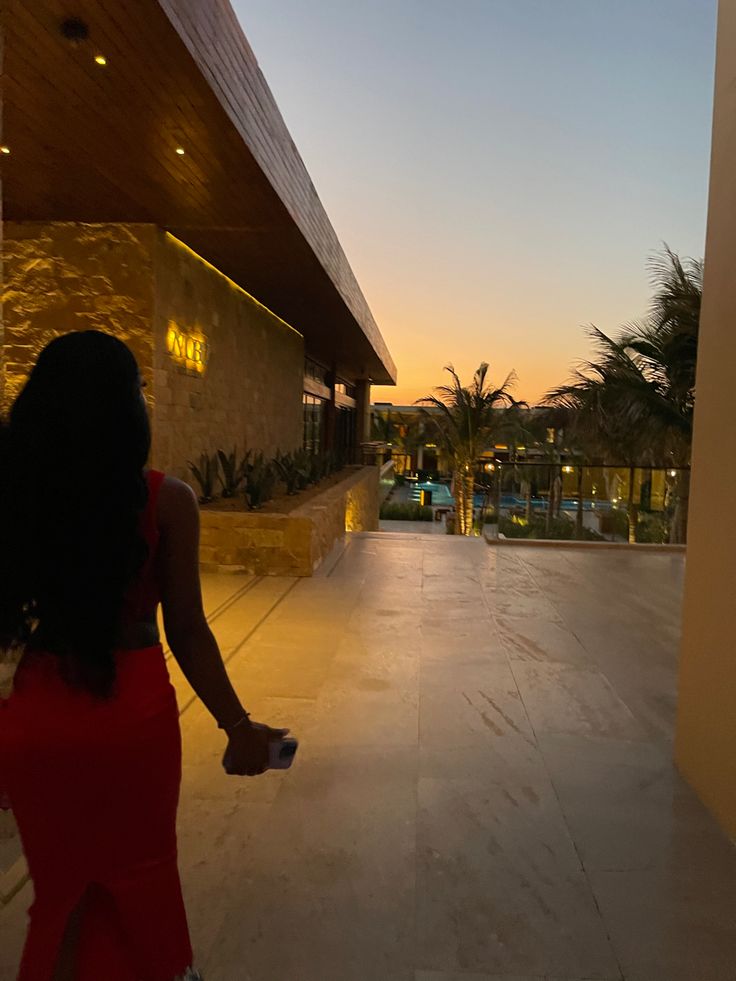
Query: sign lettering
{"x":190,"y":350}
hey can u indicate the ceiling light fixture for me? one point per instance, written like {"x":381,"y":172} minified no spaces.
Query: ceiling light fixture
{"x":5,"y":149}
{"x":181,"y":151}
{"x":101,"y":59}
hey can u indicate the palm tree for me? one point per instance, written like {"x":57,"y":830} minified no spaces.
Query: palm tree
{"x":466,"y":419}
{"x":634,"y":400}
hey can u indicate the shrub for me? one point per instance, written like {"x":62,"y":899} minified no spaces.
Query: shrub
{"x":231,"y":472}
{"x":405,"y":511}
{"x":653,"y":529}
{"x":205,"y":474}
{"x":293,"y":469}
{"x":260,"y":480}
{"x":560,"y":529}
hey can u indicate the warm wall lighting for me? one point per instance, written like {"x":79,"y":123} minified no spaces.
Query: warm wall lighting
{"x":5,"y":149}
{"x":673,"y":473}
{"x":236,"y":286}
{"x":568,"y":469}
{"x":192,"y":351}
{"x":181,"y":151}
{"x":101,"y":59}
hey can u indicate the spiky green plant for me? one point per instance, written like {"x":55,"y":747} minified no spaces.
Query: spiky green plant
{"x":205,"y":473}
{"x":231,"y":472}
{"x":260,"y":479}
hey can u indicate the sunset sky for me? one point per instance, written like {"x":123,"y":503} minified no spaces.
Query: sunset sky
{"x":498,"y":171}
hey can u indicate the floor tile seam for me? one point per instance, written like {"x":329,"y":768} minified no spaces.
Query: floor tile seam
{"x":563,"y":619}
{"x":236,"y":650}
{"x":343,"y":553}
{"x":252,"y":582}
{"x":564,"y":818}
{"x":586,"y":873}
{"x":225,"y":605}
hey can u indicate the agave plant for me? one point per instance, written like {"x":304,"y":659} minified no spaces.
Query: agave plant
{"x":231,"y":472}
{"x":293,"y":470}
{"x":205,"y":474}
{"x":260,"y":480}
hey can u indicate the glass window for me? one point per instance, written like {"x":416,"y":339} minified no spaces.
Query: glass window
{"x":314,"y":415}
{"x":345,"y":433}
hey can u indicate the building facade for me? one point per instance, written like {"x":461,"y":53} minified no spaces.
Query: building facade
{"x":150,"y":188}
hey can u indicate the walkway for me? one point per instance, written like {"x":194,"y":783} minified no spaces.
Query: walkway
{"x":484,"y":790}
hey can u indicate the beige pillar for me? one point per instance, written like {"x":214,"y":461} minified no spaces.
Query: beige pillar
{"x":706,"y":730}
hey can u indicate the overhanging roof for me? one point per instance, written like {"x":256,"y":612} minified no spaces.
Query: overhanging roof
{"x":92,"y":143}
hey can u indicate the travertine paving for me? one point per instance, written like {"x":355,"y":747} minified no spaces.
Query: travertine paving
{"x":484,"y":790}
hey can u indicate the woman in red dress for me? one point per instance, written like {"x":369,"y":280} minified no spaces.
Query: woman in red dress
{"x":90,"y":747}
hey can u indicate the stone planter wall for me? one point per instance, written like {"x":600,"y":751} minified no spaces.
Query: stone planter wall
{"x":293,"y":543}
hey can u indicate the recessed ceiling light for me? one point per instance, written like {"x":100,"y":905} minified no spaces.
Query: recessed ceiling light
{"x":181,"y":151}
{"x":4,"y":149}
{"x":101,"y":59}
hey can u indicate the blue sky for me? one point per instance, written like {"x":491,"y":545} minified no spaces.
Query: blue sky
{"x":498,"y":171}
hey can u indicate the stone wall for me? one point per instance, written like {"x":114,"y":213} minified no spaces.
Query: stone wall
{"x":249,"y":392}
{"x":292,"y":544}
{"x":139,"y":284}
{"x":66,"y":276}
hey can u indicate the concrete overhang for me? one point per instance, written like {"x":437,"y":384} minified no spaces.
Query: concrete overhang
{"x":97,"y":143}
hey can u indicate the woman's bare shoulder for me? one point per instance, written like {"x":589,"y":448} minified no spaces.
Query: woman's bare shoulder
{"x":176,"y":501}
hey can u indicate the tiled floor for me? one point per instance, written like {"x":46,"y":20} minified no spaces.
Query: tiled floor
{"x":484,"y":789}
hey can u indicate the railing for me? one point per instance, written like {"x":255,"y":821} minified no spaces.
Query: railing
{"x":561,"y":501}
{"x":575,"y":502}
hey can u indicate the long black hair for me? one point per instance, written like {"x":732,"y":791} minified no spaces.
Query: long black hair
{"x":72,"y":490}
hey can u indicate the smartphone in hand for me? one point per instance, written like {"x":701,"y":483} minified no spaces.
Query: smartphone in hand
{"x":282,"y":752}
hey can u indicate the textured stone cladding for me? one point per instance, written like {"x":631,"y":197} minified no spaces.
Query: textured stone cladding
{"x":62,"y":277}
{"x":291,"y":544}
{"x":248,"y":394}
{"x":140,"y":284}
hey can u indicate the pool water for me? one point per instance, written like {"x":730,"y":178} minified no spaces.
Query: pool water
{"x":442,"y":497}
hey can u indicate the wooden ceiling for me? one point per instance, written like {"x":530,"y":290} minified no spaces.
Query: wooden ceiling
{"x":98,"y":143}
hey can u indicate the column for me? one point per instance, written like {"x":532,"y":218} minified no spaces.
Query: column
{"x":706,"y":725}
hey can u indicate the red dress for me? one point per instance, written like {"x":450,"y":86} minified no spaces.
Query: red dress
{"x":94,"y":787}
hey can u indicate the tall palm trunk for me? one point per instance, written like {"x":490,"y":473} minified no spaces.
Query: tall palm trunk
{"x":631,"y":509}
{"x":579,"y":515}
{"x":527,"y":490}
{"x":678,"y":528}
{"x":464,"y":501}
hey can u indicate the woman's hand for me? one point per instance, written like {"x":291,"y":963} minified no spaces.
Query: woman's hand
{"x":248,"y":749}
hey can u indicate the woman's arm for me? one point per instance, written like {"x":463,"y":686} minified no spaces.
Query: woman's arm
{"x":189,"y":636}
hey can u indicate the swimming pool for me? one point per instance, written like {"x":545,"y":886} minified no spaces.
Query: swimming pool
{"x":442,"y":497}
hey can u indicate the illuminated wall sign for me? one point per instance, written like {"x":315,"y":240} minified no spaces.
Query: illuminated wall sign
{"x":192,"y":350}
